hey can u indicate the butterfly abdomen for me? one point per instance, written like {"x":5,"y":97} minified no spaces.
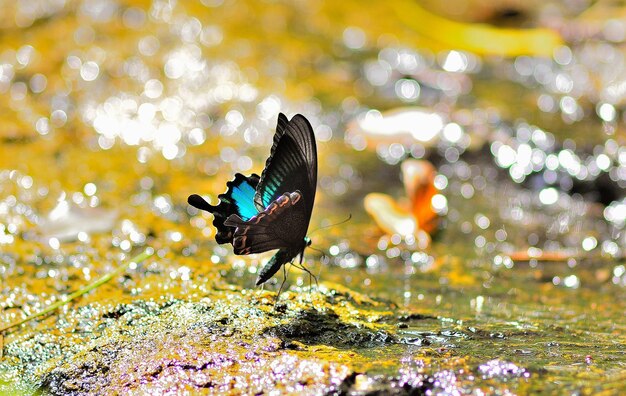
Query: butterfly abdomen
{"x":278,"y":260}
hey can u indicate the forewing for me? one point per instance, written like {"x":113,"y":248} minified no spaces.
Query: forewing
{"x":291,"y":166}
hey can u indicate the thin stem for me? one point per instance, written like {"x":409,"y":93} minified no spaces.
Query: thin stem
{"x":98,"y":282}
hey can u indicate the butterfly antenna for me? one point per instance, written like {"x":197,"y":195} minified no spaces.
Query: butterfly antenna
{"x":318,"y":250}
{"x":332,"y":225}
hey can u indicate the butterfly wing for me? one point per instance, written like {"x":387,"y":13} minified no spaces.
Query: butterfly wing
{"x":274,"y":228}
{"x":291,"y":166}
{"x":237,"y":200}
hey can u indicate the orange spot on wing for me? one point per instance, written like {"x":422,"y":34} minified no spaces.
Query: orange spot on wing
{"x":282,"y":202}
{"x":258,"y":218}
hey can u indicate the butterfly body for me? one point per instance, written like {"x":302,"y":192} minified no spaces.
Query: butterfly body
{"x":257,"y":214}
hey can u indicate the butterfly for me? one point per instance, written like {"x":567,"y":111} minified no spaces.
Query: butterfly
{"x":273,"y":211}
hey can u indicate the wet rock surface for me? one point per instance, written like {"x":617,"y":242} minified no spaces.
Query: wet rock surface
{"x":310,"y":342}
{"x":223,"y":343}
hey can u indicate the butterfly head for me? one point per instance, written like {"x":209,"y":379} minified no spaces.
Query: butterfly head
{"x":307,"y":241}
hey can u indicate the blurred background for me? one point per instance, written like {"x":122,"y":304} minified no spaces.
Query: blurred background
{"x":478,"y":145}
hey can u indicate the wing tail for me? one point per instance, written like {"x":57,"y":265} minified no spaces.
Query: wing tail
{"x":199,"y":203}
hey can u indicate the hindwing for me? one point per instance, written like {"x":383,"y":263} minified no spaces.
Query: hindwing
{"x":237,"y":200}
{"x":269,"y":229}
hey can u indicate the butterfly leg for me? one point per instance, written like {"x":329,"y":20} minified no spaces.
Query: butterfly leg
{"x":309,"y":272}
{"x":305,"y":269}
{"x":282,"y":284}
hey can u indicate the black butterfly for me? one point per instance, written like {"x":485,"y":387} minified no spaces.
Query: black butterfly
{"x":257,"y":214}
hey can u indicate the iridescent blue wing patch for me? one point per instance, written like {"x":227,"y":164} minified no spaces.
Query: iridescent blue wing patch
{"x":242,"y":196}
